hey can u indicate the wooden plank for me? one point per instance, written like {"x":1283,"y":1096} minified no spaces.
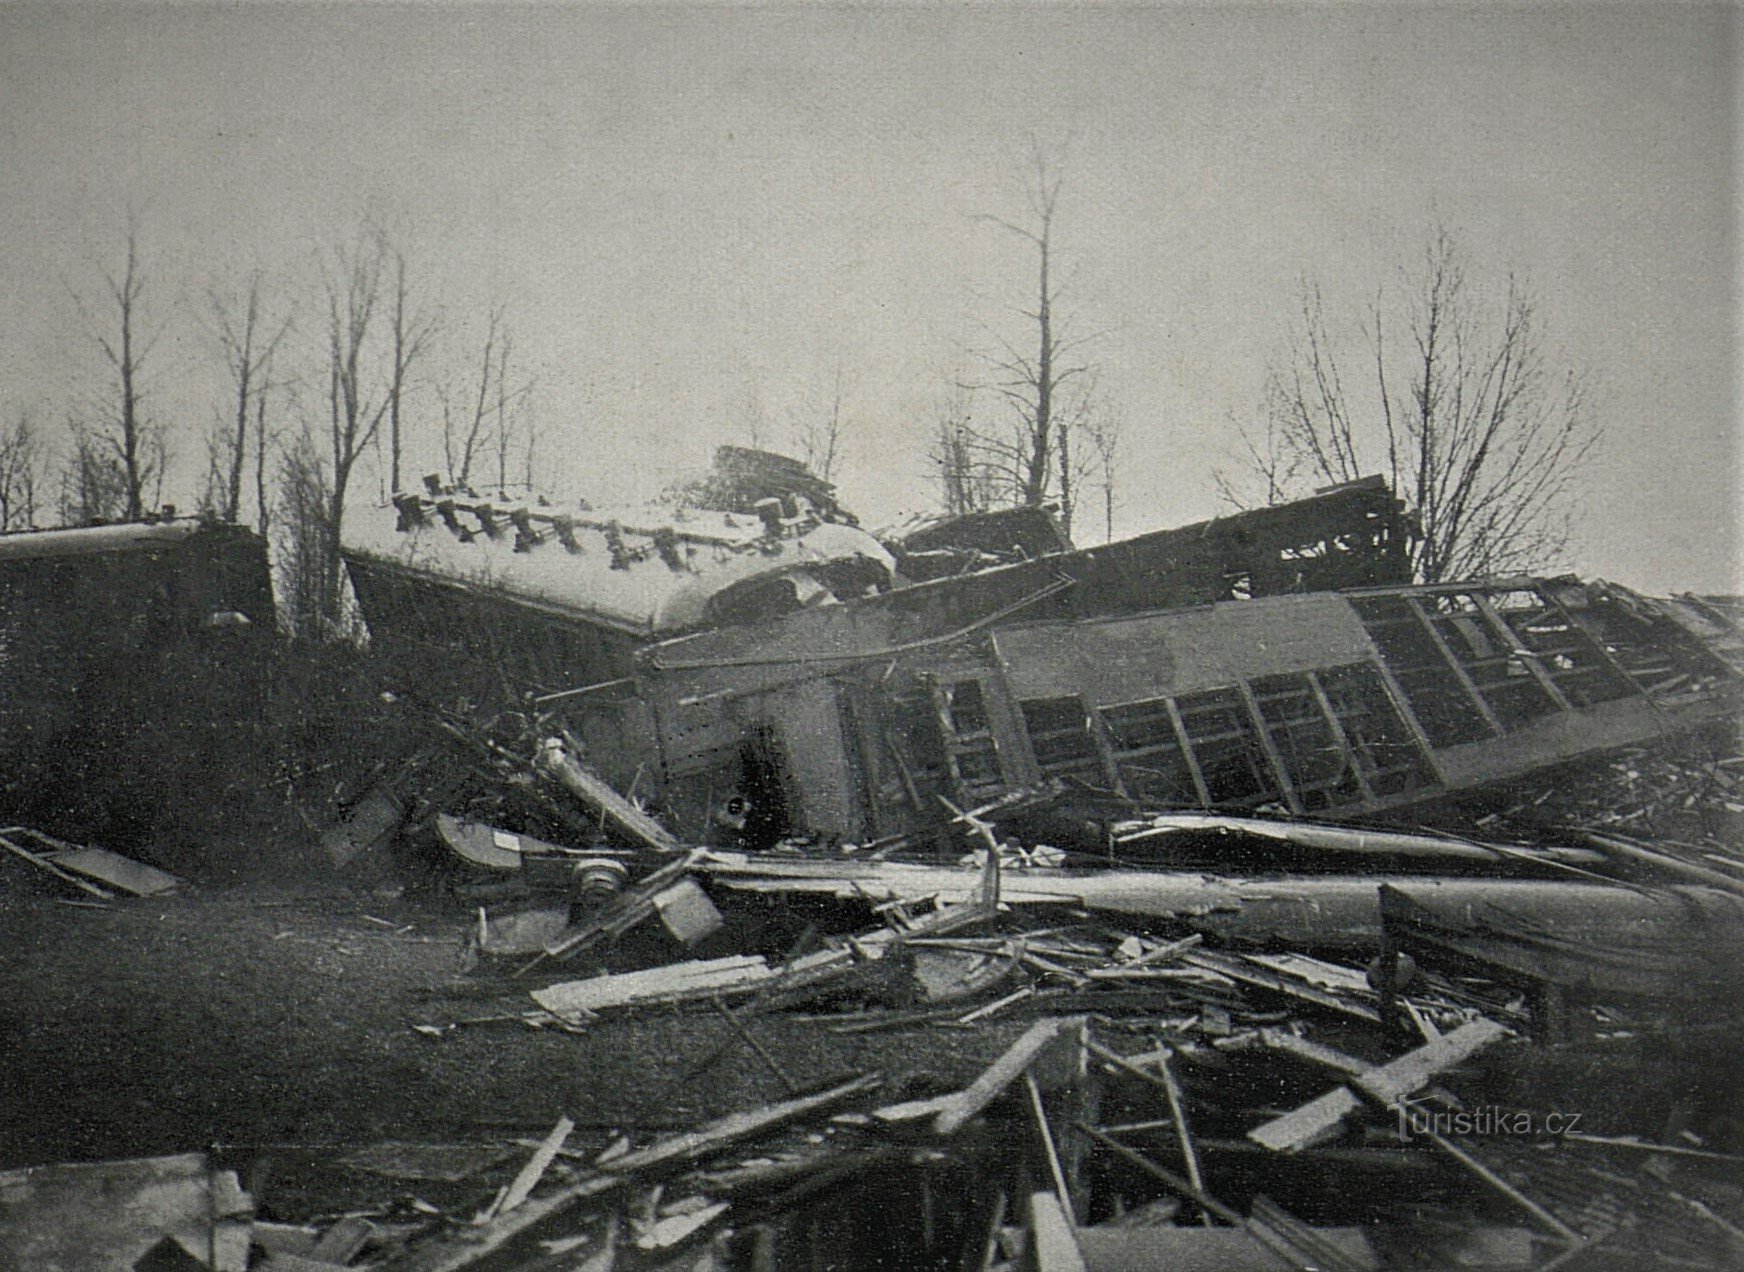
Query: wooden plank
{"x":528,"y":1177}
{"x":1314,"y":1052}
{"x":43,"y":863}
{"x":1385,"y":1084}
{"x":1306,"y":1126}
{"x":1184,"y":1187}
{"x":1412,"y":1071}
{"x":343,"y":1241}
{"x":117,"y":871}
{"x":1001,"y":1073}
{"x":1241,"y":969}
{"x":555,"y":762}
{"x":1047,"y":1135}
{"x":697,"y":976}
{"x":1053,"y":1241}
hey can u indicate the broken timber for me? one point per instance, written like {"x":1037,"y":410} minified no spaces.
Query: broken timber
{"x":1385,"y":1084}
{"x":469,"y":1248}
{"x":555,"y":762}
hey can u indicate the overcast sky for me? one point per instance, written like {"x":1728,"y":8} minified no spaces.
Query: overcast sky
{"x":695,"y":214}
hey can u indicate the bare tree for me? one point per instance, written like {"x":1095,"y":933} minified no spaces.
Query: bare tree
{"x":412,"y":327}
{"x":306,"y":548}
{"x":1463,"y":415}
{"x":358,"y":397}
{"x":1105,"y":435}
{"x":492,"y":410}
{"x":262,"y":438}
{"x":247,"y":340}
{"x":818,"y":429}
{"x":20,"y":472}
{"x":1045,"y":385}
{"x":514,"y":415}
{"x":968,"y":481}
{"x":121,"y":430}
{"x":461,"y":441}
{"x":93,"y":483}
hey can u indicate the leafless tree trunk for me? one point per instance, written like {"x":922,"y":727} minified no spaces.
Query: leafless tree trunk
{"x":263,"y":505}
{"x":412,"y":329}
{"x":1047,"y":392}
{"x":1103,"y":432}
{"x":20,"y":471}
{"x":1464,"y":417}
{"x":354,"y":409}
{"x":819,"y":430}
{"x":93,"y":484}
{"x":306,"y":547}
{"x":968,"y":481}
{"x":460,"y":451}
{"x":247,"y":349}
{"x":126,"y":434}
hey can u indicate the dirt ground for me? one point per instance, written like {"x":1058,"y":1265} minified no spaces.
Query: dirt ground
{"x":256,"y":1016}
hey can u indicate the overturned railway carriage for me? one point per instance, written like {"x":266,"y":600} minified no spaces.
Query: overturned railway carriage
{"x":1361,"y":701}
{"x":767,"y":673}
{"x":131,"y":660}
{"x":478,"y":598}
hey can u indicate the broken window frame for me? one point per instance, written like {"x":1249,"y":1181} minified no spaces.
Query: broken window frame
{"x":1128,"y":771}
{"x":967,"y":749}
{"x":1443,"y":703}
{"x":1088,"y":762}
{"x":1286,"y":731}
{"x":1251,"y":748}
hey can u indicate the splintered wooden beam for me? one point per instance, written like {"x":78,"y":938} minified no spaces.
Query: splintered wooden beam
{"x":534,"y":1170}
{"x":555,"y":762}
{"x":1053,"y":1241}
{"x":1181,"y":1186}
{"x":473,"y":1246}
{"x":43,"y":863}
{"x":1385,"y":1084}
{"x":1002,"y":1073}
{"x":1240,"y":969}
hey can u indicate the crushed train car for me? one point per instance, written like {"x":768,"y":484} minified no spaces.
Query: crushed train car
{"x":784,"y":675}
{"x":467,"y":593}
{"x":1334,"y":702}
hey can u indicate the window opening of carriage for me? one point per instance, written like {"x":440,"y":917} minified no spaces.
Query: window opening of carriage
{"x":912,"y":732}
{"x":1382,"y":748}
{"x":1488,"y":658}
{"x":1307,"y":742}
{"x":1439,"y":697}
{"x":1226,"y":747}
{"x":1147,"y":752}
{"x":1062,"y":738}
{"x":971,"y":753}
{"x":1564,"y":651}
{"x":966,"y":707}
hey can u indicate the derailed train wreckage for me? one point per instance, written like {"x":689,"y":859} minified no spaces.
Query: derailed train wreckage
{"x":781,"y":671}
{"x":1195,"y":770}
{"x":1268,"y":847}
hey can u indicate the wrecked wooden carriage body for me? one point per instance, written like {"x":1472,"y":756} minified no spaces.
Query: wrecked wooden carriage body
{"x":466,"y":593}
{"x":757,"y":675}
{"x":840,"y":722}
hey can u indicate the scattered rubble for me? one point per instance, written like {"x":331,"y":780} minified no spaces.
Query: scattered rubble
{"x":1265,"y":870}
